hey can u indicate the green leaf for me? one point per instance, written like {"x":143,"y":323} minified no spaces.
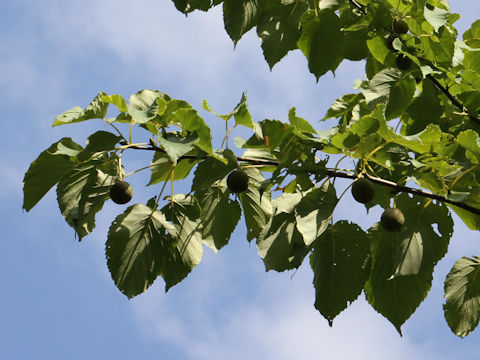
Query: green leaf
{"x":472,"y":35}
{"x":422,"y":142}
{"x":340,"y":265}
{"x":212,"y":170}
{"x":425,"y":109}
{"x":176,"y":145}
{"x":379,"y":50}
{"x":435,"y":16}
{"x":146,"y":105}
{"x":462,"y":293}
{"x":187,"y":6}
{"x":472,"y":61}
{"x":96,"y":110}
{"x":162,"y":166}
{"x":280,"y":245}
{"x":470,"y":140}
{"x":240,"y":16}
{"x":314,"y":212}
{"x":194,"y":124}
{"x":279,"y":30}
{"x":116,"y":100}
{"x":395,"y":298}
{"x":418,"y":242}
{"x":144,"y":99}
{"x":344,"y":108}
{"x":100,"y":141}
{"x":471,"y":100}
{"x":355,"y":45}
{"x":300,"y":124}
{"x":470,"y":219}
{"x":321,"y":41}
{"x":269,"y":134}
{"x":82,"y":192}
{"x":240,"y":113}
{"x":394,"y":88}
{"x":393,"y":254}
{"x":143,"y":116}
{"x":219,"y":215}
{"x":136,"y":249}
{"x":184,"y":214}
{"x":442,"y":48}
{"x":45,"y":171}
{"x":286,"y":202}
{"x":257,"y":208}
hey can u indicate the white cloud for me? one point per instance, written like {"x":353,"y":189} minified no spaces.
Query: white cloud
{"x":277,"y":321}
{"x":192,"y":56}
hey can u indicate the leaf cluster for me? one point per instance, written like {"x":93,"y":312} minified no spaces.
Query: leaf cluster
{"x":410,"y":126}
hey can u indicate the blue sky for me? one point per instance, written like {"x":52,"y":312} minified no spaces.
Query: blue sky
{"x":58,"y":299}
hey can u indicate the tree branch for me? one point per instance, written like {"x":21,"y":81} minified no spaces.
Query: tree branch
{"x":452,"y":98}
{"x":358,"y":6}
{"x":339,"y":174}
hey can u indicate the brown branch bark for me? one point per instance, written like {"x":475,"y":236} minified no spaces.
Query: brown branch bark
{"x":344,"y":175}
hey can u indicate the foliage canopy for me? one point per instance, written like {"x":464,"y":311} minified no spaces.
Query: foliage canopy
{"x":412,"y":127}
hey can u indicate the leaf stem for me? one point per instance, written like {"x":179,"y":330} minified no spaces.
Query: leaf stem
{"x":130,"y":132}
{"x":163,"y":188}
{"x":138,"y":170}
{"x":461,"y":175}
{"x":116,"y":129}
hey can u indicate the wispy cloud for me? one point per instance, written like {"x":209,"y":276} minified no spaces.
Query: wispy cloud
{"x":277,"y":321}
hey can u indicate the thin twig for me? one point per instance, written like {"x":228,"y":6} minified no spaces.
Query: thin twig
{"x":358,"y":6}
{"x":452,"y":98}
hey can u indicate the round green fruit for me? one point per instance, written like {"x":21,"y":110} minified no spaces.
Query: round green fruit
{"x":400,"y":26}
{"x":237,"y":181}
{"x":403,"y":62}
{"x":363,"y":190}
{"x":392,"y":219}
{"x":121,"y":192}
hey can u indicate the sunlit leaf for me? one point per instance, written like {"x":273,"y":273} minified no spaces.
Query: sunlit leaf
{"x":240,"y":16}
{"x":184,"y":214}
{"x":340,"y":266}
{"x":116,"y":100}
{"x":219,"y":215}
{"x":435,"y":16}
{"x":392,"y":87}
{"x":139,"y":241}
{"x":163,"y":168}
{"x":279,"y":30}
{"x":321,"y":41}
{"x":462,"y":293}
{"x":176,"y":145}
{"x":96,"y":110}
{"x":395,"y":298}
{"x":194,"y":124}
{"x":280,"y":245}
{"x":240,"y":113}
{"x":82,"y":192}
{"x":101,"y":141}
{"x":314,"y":212}
{"x":257,"y":208}
{"x":45,"y":171}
